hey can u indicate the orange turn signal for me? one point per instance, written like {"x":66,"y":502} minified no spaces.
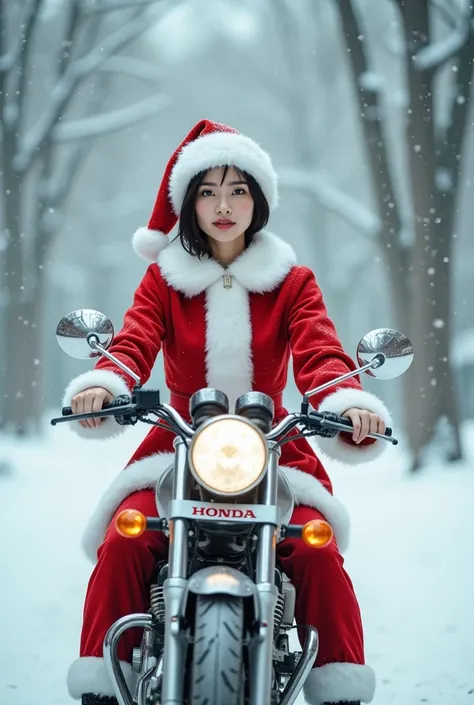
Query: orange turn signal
{"x":130,"y":523}
{"x":317,"y":533}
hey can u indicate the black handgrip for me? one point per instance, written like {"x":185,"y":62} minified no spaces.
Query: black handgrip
{"x":325,"y":430}
{"x":347,"y":422}
{"x":121,"y":400}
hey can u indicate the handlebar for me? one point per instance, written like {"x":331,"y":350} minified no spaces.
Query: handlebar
{"x":325,"y":424}
{"x":121,"y":401}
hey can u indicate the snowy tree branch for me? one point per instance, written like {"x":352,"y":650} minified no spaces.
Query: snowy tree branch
{"x":445,"y":12}
{"x":451,"y":141}
{"x":70,"y":35}
{"x":111,"y":45}
{"x":66,"y":85}
{"x":367,"y":88}
{"x":10,"y":58}
{"x":21,"y":52}
{"x":111,"y":5}
{"x":331,"y":198}
{"x":59,"y":182}
{"x":129,"y":66}
{"x":109,"y":122}
{"x":3,"y":37}
{"x":436,"y":54}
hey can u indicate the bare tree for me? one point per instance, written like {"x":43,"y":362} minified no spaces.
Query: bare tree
{"x":417,"y":244}
{"x":43,"y":144}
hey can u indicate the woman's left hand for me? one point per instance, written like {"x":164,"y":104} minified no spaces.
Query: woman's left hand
{"x":364,"y":422}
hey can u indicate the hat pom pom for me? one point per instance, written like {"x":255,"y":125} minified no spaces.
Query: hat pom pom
{"x":148,"y":243}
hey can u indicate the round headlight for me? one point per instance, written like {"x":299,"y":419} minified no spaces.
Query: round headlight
{"x":228,"y":455}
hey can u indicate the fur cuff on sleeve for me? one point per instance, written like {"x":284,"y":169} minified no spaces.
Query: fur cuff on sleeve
{"x":346,"y":451}
{"x":111,"y":381}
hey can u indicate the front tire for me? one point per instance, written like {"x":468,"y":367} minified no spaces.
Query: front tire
{"x":217,"y":660}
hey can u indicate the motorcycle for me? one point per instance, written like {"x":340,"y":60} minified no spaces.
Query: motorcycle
{"x":221,"y":609}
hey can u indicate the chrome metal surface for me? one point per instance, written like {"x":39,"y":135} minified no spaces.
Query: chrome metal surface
{"x":303,"y":667}
{"x":174,"y":588}
{"x":178,"y":547}
{"x":283,"y":427}
{"x":73,"y":330}
{"x":255,"y":399}
{"x":96,"y":346}
{"x":122,"y":691}
{"x":175,"y":644}
{"x":285,"y":498}
{"x":142,"y":686}
{"x":184,"y":427}
{"x":261,"y":646}
{"x":209,"y":396}
{"x":265,"y":566}
{"x":370,"y":365}
{"x":164,"y":495}
{"x":393,"y":345}
{"x":221,"y":580}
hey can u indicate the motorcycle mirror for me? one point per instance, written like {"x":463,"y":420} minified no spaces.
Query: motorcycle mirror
{"x":74,"y":332}
{"x":395,"y":347}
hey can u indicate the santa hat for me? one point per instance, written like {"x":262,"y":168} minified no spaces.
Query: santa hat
{"x":208,"y":145}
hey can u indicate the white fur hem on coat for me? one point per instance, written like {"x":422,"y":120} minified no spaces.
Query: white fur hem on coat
{"x":340,"y":682}
{"x":145,"y":473}
{"x":350,"y":453}
{"x":89,"y":675}
{"x":114,"y":383}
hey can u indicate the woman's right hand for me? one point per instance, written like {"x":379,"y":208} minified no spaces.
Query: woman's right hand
{"x":91,"y":399}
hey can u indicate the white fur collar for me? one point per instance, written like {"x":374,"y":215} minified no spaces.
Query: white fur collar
{"x":260,"y":268}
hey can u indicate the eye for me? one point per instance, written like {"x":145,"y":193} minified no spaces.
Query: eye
{"x":206,"y":192}
{"x":240,"y":191}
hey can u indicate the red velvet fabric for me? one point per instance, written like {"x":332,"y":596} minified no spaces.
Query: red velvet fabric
{"x":289,"y":320}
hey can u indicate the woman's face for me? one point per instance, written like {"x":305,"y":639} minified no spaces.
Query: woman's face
{"x":224,"y":210}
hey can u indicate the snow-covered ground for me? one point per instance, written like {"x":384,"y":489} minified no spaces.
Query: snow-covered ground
{"x":411,"y":563}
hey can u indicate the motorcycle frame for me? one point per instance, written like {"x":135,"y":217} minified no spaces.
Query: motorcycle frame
{"x":175,"y":587}
{"x":176,"y":592}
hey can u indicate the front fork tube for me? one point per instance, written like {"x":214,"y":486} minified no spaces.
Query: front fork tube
{"x":261,"y":645}
{"x":175,"y":644}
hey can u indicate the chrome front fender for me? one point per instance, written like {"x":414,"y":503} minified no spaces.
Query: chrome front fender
{"x":222,"y":580}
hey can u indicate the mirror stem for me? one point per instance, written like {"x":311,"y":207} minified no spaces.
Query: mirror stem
{"x":378,"y":361}
{"x":93,"y":341}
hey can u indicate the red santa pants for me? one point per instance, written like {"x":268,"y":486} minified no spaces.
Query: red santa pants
{"x":325,"y":598}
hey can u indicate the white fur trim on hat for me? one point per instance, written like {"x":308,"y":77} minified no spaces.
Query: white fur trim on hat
{"x":148,"y":243}
{"x":114,"y":383}
{"x":223,"y":149}
{"x":89,"y":675}
{"x":339,"y":402}
{"x":137,"y":476}
{"x":340,"y":682}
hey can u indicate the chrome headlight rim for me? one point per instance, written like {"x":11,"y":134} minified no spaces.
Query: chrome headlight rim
{"x":220,"y":419}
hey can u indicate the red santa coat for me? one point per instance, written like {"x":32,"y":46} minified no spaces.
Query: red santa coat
{"x":235,"y":338}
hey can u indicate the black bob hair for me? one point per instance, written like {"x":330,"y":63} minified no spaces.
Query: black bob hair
{"x":193,"y":239}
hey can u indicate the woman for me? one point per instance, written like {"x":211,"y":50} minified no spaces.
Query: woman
{"x":227,"y":304}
